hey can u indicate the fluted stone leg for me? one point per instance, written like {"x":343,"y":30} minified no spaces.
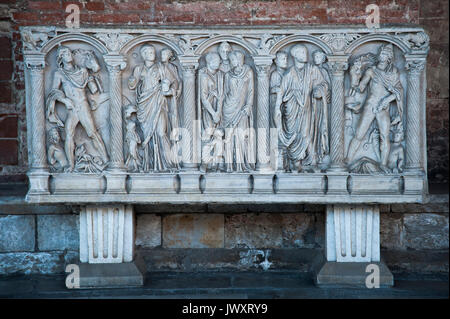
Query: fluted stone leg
{"x":352,"y":247}
{"x":107,"y":247}
{"x":38,"y":174}
{"x":116,"y":173}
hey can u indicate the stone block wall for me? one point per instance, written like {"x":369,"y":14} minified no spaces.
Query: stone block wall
{"x":432,"y":15}
{"x":227,"y":238}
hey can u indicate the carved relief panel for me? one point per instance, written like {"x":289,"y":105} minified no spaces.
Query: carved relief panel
{"x":288,"y":113}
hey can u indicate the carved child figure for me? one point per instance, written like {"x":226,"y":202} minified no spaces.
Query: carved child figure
{"x":397,"y":154}
{"x":133,"y":161}
{"x":56,"y":155}
{"x":213,"y":153}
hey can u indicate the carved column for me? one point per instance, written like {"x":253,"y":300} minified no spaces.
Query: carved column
{"x":116,"y":170}
{"x":38,"y":173}
{"x":263,"y":64}
{"x":415,"y":67}
{"x":115,"y":65}
{"x":189,"y":66}
{"x":338,"y":66}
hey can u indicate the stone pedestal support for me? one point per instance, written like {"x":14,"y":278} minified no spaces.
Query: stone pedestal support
{"x":353,"y":247}
{"x":107,"y":242}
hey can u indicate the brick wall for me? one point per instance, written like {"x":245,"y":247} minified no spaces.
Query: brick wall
{"x":433,"y":15}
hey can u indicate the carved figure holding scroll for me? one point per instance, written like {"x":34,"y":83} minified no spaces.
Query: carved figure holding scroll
{"x":55,"y":154}
{"x":238,"y":115}
{"x":152,"y":111}
{"x":384,"y":87}
{"x":70,"y":82}
{"x":301,"y":84}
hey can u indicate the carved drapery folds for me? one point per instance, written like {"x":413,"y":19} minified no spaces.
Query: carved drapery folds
{"x":188,"y":104}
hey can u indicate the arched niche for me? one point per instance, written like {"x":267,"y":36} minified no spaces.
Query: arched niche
{"x":372,"y":45}
{"x":98,"y":102}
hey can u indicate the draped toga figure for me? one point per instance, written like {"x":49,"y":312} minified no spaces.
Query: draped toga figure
{"x":301,"y":87}
{"x":152,"y":111}
{"x":211,"y":97}
{"x":238,"y":115}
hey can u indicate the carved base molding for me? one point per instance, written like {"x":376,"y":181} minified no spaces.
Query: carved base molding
{"x":191,"y":187}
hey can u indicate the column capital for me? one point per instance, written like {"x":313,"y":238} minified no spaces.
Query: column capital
{"x":189,"y":63}
{"x":35,"y":61}
{"x":338,"y":63}
{"x":263,"y":60}
{"x":415,"y":64}
{"x":115,"y":62}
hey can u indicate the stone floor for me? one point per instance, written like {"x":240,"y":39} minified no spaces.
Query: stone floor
{"x":225,"y":285}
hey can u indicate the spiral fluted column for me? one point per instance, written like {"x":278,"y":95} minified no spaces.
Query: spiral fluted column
{"x":189,"y":66}
{"x":263,"y":64}
{"x":115,"y":64}
{"x":415,"y":68}
{"x":338,"y":66}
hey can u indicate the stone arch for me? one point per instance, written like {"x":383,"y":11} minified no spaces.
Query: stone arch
{"x":377,"y":37}
{"x":74,"y":37}
{"x":210,"y":42}
{"x":150,"y":38}
{"x":300,"y":38}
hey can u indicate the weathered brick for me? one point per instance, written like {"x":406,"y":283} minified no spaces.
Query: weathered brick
{"x":8,"y":152}
{"x":17,"y":233}
{"x":148,"y":230}
{"x":6,"y":68}
{"x":193,"y":231}
{"x":5,"y":92}
{"x":8,"y":125}
{"x":5,"y":48}
{"x":58,"y":232}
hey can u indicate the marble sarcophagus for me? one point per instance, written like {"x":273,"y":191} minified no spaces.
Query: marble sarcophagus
{"x":331,"y":115}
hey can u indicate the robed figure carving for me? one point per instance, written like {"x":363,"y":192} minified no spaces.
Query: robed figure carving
{"x":302,"y":87}
{"x":238,"y":115}
{"x":211,"y":96}
{"x":152,"y":111}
